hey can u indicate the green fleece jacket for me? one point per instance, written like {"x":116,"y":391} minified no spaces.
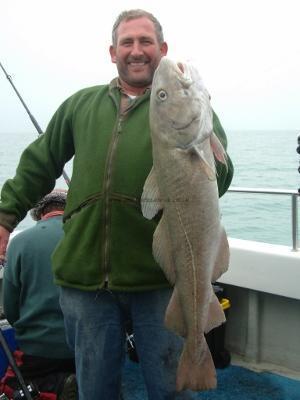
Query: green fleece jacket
{"x":30,"y":298}
{"x":106,"y":236}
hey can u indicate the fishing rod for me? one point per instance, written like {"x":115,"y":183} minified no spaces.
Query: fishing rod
{"x":15,"y":368}
{"x":298,"y":151}
{"x":33,"y":120}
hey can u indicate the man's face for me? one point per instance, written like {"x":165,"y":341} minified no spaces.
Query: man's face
{"x":137,"y":53}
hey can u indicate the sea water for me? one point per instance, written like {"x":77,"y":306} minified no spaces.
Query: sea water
{"x":267,"y":160}
{"x":262,"y":159}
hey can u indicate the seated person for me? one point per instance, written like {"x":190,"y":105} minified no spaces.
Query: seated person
{"x":31,"y":306}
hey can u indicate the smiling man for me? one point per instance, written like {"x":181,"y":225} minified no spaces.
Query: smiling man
{"x":104,"y":263}
{"x":137,"y":49}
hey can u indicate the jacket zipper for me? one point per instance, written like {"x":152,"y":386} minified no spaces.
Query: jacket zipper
{"x":107,"y":197}
{"x":115,"y":139}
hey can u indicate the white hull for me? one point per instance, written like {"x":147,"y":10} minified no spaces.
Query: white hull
{"x":263,"y":286}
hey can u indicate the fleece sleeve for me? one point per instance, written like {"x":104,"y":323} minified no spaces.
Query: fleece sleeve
{"x":41,"y":163}
{"x":224,"y":173}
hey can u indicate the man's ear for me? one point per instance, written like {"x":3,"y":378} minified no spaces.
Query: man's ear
{"x":112,"y":52}
{"x":164,"y":49}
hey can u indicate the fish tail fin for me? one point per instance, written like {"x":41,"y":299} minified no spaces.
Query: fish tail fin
{"x":196,"y":375}
{"x":174,"y":317}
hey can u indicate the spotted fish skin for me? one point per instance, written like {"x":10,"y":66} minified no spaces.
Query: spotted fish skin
{"x":189,"y":243}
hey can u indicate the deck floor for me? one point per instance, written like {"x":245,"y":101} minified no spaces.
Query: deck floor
{"x":234,"y":383}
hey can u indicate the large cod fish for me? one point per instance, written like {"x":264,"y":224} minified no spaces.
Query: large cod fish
{"x":189,"y":242}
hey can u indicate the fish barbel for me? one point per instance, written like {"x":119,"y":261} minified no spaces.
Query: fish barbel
{"x":189,"y":242}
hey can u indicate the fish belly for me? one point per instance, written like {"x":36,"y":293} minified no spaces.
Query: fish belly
{"x":191,"y":246}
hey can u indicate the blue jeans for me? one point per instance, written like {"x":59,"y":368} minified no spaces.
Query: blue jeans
{"x":95,"y":326}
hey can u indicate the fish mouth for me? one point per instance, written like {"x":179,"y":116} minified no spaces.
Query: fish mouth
{"x":182,"y":127}
{"x":184,"y":75}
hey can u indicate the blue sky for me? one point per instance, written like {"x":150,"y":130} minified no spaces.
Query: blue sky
{"x":248,"y":53}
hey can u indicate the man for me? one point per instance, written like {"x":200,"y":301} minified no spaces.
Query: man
{"x":31,"y":305}
{"x":104,"y":263}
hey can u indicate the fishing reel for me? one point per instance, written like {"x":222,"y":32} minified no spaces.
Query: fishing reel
{"x":20,"y":395}
{"x":298,"y":151}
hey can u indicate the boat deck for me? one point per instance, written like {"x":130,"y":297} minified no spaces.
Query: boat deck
{"x":234,"y":383}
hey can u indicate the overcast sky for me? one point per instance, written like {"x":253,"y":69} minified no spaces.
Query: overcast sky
{"x":247,"y":51}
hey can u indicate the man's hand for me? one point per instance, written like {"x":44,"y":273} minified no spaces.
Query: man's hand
{"x":4,"y":236}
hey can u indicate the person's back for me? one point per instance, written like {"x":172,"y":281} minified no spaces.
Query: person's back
{"x":31,"y":299}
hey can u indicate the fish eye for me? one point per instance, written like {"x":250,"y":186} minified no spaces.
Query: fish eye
{"x":162,"y":95}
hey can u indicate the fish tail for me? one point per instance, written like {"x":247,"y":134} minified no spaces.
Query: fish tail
{"x":193,"y":374}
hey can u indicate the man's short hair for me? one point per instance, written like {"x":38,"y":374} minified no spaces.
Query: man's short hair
{"x":134,"y":14}
{"x":54,"y":200}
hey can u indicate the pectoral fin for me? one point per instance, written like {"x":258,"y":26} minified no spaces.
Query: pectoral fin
{"x":218,"y":149}
{"x":150,"y":200}
{"x":209,"y":168}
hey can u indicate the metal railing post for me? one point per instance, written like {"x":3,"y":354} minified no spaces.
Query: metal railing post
{"x":294,"y":195}
{"x":295,"y":222}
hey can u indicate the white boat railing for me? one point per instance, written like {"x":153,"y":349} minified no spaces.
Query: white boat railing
{"x":294,"y":194}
